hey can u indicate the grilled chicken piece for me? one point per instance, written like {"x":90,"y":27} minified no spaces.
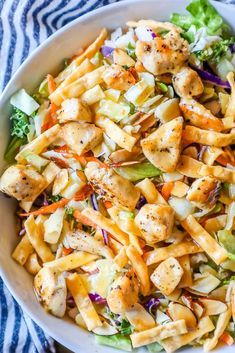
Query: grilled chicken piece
{"x":162,"y":147}
{"x":83,"y":241}
{"x":123,"y":293}
{"x":163,"y":55}
{"x":155,"y":222}
{"x":167,"y":275}
{"x":112,"y":186}
{"x":22,"y":182}
{"x":204,"y":192}
{"x":187,"y":83}
{"x":51,"y":288}
{"x":199,"y":116}
{"x":81,"y":137}
{"x":74,"y":109}
{"x":117,"y":77}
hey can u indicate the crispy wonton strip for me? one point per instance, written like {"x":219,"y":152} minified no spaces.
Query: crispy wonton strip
{"x":71,"y":261}
{"x":32,"y":265}
{"x":121,"y":259}
{"x":116,"y":134}
{"x":221,"y":325}
{"x":127,"y":225}
{"x":78,"y":87}
{"x":230,"y":111}
{"x":207,"y":137}
{"x":172,"y":344}
{"x":36,"y":239}
{"x":195,"y":169}
{"x":205,"y":240}
{"x":157,"y":333}
{"x":106,"y":224}
{"x":85,"y":67}
{"x":186,"y":280}
{"x":150,"y":192}
{"x":23,"y":250}
{"x":175,"y":250}
{"x":37,"y":145}
{"x":139,"y":267}
{"x":83,"y":302}
{"x":91,"y":50}
{"x":81,"y":70}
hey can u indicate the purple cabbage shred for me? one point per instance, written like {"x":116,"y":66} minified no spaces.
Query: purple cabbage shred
{"x":106,"y":51}
{"x":151,"y":304}
{"x":211,"y":78}
{"x":142,"y":201}
{"x":96,"y":298}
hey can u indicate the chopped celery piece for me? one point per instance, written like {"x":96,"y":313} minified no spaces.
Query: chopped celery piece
{"x":163,"y":87}
{"x":43,"y":89}
{"x":126,"y":215}
{"x":154,"y":347}
{"x":114,"y":111}
{"x":138,"y":171}
{"x":35,"y":160}
{"x":138,"y":93}
{"x":23,"y":101}
{"x":117,"y":341}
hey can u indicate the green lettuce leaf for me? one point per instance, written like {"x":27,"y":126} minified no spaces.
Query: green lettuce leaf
{"x":138,"y":171}
{"x":154,"y":347}
{"x":117,"y":341}
{"x":19,"y":130}
{"x":227,"y":240}
{"x":202,"y":14}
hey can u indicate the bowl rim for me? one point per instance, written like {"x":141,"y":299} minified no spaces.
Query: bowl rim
{"x":33,"y":315}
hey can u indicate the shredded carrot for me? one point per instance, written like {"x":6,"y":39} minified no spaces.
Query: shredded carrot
{"x":47,"y":209}
{"x":51,"y":84}
{"x":107,"y":204}
{"x":83,"y":219}
{"x":166,"y":189}
{"x":84,"y":193}
{"x":61,"y":149}
{"x":59,"y":162}
{"x":66,"y":251}
{"x":224,"y":160}
{"x":81,"y":175}
{"x":227,"y":339}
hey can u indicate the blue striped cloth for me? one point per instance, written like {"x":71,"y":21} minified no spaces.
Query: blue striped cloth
{"x":24,"y":24}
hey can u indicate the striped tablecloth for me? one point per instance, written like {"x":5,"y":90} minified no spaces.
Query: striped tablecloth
{"x":24,"y":24}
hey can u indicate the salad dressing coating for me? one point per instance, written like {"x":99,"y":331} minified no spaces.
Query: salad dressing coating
{"x":123,"y":167}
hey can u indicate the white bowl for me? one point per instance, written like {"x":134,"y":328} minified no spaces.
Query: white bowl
{"x":47,"y":59}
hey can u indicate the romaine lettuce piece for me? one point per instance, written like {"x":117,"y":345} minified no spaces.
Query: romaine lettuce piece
{"x":138,"y":171}
{"x":117,"y":341}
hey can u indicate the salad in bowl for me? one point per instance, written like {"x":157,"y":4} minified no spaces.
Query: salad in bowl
{"x":123,"y":169}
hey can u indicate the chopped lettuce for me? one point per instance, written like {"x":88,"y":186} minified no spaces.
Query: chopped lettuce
{"x":24,"y":102}
{"x":19,"y":131}
{"x":131,"y":51}
{"x":227,"y":240}
{"x":202,"y":14}
{"x":215,"y":51}
{"x":117,"y":341}
{"x":154,"y":347}
{"x":138,"y":171}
